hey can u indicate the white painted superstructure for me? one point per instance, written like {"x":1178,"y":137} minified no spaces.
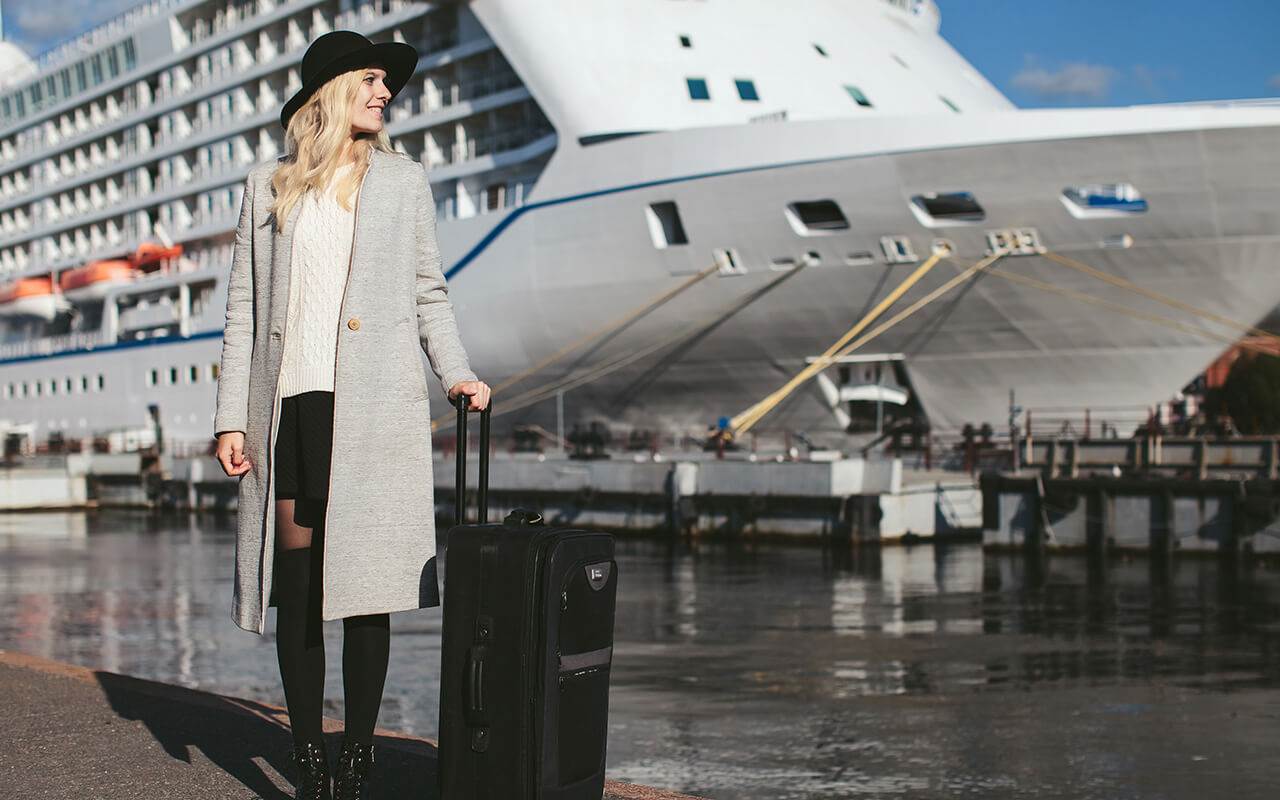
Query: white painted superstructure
{"x":589,"y":155}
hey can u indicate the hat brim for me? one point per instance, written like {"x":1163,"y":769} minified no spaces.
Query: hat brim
{"x":397,"y":58}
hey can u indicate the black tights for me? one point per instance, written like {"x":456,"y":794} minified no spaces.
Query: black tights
{"x":366,"y":640}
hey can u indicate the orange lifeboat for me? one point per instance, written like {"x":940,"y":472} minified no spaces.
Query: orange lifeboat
{"x":92,"y":281}
{"x":30,"y":297}
{"x":150,"y":254}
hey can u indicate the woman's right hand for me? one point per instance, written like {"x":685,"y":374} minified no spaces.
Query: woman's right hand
{"x":231,"y":454}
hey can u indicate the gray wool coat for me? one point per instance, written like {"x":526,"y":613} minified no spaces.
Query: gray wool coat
{"x":379,"y":537}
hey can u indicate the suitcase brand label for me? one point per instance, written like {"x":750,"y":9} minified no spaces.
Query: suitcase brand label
{"x":598,"y":575}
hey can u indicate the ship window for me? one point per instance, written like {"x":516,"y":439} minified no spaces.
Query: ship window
{"x":130,"y":54}
{"x":815,"y":217}
{"x":101,"y":383}
{"x":665,"y":225}
{"x":685,"y":41}
{"x":95,"y":67}
{"x":81,"y":80}
{"x":821,"y":52}
{"x":53,"y":386}
{"x":747,"y":90}
{"x":858,"y":96}
{"x":954,"y":208}
{"x":698,"y":89}
{"x":193,"y":376}
{"x":153,"y":377}
{"x":950,"y":104}
{"x":84,"y":383}
{"x":65,"y":75}
{"x":26,"y":390}
{"x":39,"y":388}
{"x":213,"y":371}
{"x":113,"y":62}
{"x":173,"y":375}
{"x":1096,"y":201}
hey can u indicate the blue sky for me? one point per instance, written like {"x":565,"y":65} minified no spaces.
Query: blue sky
{"x":1038,"y":52}
{"x":1119,"y":52}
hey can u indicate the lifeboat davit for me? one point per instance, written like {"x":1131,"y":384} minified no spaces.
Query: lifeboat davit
{"x":31,"y":297}
{"x":91,"y":282}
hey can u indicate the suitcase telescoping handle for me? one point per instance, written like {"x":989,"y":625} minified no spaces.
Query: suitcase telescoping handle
{"x":460,"y":484}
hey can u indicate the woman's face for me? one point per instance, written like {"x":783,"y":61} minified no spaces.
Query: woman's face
{"x":370,"y":103}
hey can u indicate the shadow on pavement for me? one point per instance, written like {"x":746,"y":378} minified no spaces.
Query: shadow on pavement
{"x":239,"y":736}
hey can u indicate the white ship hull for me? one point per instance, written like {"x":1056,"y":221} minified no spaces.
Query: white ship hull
{"x":1209,"y":242}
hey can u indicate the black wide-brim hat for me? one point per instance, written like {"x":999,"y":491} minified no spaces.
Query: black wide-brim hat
{"x":343,"y":51}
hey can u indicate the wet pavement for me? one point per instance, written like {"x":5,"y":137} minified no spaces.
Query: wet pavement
{"x":68,"y":732}
{"x":769,"y":671}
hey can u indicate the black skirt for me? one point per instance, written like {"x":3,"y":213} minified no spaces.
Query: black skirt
{"x":304,"y":450}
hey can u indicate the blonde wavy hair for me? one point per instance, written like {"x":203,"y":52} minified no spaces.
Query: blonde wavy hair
{"x":315,"y":139}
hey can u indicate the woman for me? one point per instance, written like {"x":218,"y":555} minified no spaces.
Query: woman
{"x":336,"y":290}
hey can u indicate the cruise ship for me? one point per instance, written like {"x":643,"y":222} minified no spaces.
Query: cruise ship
{"x":653,"y":214}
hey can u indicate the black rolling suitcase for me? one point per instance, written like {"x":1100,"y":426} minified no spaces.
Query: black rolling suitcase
{"x":527,"y":646}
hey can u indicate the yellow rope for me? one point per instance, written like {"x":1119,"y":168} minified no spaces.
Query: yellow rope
{"x":744,"y":421}
{"x":614,"y":325}
{"x":1143,"y":315}
{"x":1158,"y":297}
{"x":550,"y":389}
{"x":969,"y":272}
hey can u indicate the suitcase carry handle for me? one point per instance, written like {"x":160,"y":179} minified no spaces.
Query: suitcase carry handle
{"x":461,"y":402}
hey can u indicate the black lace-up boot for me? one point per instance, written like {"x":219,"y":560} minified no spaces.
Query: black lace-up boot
{"x":313,"y":772}
{"x":351,"y":777}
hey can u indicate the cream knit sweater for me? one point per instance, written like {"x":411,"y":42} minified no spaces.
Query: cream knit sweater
{"x":318,"y":269}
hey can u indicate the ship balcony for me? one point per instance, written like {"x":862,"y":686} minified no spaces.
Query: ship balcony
{"x":436,"y":96}
{"x":480,"y":146}
{"x":131,"y":95}
{"x":493,"y":199}
{"x":48,"y":345}
{"x":239,"y":67}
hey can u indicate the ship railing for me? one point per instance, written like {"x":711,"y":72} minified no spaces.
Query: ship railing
{"x":491,"y":83}
{"x":472,"y":89}
{"x":1103,"y":422}
{"x":48,"y":345}
{"x":440,"y":41}
{"x":227,"y":18}
{"x":480,"y":146}
{"x":366,"y":11}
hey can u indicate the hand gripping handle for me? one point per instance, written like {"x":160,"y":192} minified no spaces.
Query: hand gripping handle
{"x":460,"y":481}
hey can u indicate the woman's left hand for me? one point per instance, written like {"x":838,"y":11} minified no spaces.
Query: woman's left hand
{"x":478,"y":391}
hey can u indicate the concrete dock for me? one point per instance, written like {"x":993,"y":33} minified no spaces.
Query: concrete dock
{"x":859,"y":499}
{"x":66,"y":731}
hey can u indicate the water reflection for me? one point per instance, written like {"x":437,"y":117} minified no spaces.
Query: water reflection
{"x":752,"y":670}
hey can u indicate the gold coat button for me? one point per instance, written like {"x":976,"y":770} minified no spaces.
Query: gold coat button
{"x":354,"y":324}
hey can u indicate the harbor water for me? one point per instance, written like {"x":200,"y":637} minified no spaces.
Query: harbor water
{"x":767,"y":670}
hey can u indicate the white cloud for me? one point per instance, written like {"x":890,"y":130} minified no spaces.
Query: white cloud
{"x":1081,"y":80}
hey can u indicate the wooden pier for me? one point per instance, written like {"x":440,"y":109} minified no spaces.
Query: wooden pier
{"x":1157,"y":495}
